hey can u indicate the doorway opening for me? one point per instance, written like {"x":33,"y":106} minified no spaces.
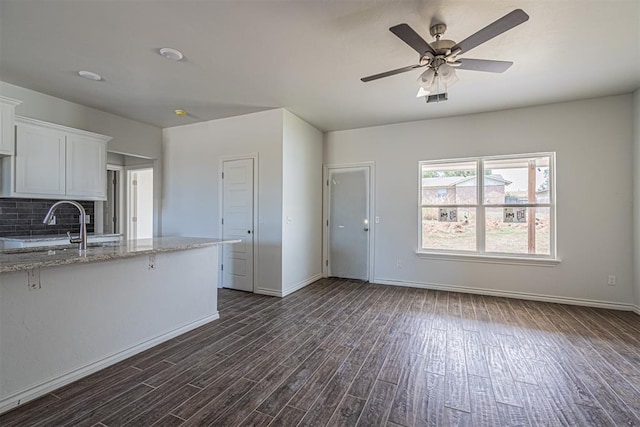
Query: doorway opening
{"x":113,"y":207}
{"x":140,"y":203}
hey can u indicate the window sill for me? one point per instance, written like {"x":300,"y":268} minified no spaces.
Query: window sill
{"x":490,"y":259}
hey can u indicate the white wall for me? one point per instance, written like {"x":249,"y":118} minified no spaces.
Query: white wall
{"x":301,"y":203}
{"x":191,"y":177}
{"x":115,"y":159}
{"x":592,"y":139}
{"x":636,"y":196}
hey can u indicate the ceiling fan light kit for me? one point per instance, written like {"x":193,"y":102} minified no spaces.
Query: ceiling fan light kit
{"x":441,"y":56}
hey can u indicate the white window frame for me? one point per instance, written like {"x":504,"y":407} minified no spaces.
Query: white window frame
{"x":480,"y":254}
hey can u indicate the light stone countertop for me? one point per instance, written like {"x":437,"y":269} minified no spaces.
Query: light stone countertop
{"x":29,"y":258}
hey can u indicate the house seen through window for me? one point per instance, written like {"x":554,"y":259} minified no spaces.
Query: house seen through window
{"x":492,"y":205}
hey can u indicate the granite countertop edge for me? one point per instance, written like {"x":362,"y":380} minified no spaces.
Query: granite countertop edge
{"x":127,"y":249}
{"x":55,"y":237}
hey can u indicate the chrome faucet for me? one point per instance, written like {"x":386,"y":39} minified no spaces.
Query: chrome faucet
{"x":82,"y":239}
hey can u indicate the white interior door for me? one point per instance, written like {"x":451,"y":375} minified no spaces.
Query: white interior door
{"x":140,"y":205}
{"x":349,"y":223}
{"x":237,"y":223}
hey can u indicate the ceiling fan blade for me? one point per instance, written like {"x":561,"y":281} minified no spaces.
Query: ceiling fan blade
{"x":391,"y":73}
{"x":492,"y":30}
{"x":484,"y":65}
{"x":413,"y":39}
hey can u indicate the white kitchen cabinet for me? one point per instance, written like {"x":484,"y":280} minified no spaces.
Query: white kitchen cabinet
{"x":39,"y":161}
{"x":55,"y":162}
{"x":7,"y":134}
{"x":86,"y":166}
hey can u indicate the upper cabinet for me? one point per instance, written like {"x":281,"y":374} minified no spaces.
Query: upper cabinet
{"x":53,"y":161}
{"x":86,"y":166}
{"x":39,"y":162}
{"x":7,"y":133}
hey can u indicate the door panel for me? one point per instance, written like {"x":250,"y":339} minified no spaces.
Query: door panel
{"x":86,"y":167}
{"x":237,"y":215}
{"x":349,"y":223}
{"x":40,"y":161}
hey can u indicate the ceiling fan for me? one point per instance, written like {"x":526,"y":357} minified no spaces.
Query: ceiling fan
{"x":441,"y":57}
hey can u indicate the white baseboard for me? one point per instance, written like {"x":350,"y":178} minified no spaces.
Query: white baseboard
{"x":290,"y":290}
{"x":512,"y":294}
{"x":39,"y":390}
{"x":636,"y":309}
{"x":301,"y":285}
{"x":270,"y":292}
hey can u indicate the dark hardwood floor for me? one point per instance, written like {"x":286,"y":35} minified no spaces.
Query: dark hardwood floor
{"x":340,"y":352}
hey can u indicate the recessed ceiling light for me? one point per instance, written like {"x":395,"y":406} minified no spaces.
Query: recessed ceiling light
{"x":172,"y":54}
{"x":90,"y":75}
{"x":180,"y":113}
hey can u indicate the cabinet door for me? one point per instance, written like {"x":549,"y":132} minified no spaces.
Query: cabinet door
{"x":6,"y":129}
{"x":39,"y":161}
{"x":86,"y":167}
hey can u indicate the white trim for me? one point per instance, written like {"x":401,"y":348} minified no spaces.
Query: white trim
{"x":10,"y":101}
{"x":542,"y":262}
{"x":139,"y":166}
{"x":372,"y":213}
{"x":40,"y":123}
{"x":510,"y":294}
{"x":636,"y":309}
{"x":269,"y":292}
{"x":39,"y":390}
{"x":256,"y":228}
{"x":301,"y":285}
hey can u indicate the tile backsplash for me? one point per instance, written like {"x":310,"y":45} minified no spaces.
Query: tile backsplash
{"x":23,"y":217}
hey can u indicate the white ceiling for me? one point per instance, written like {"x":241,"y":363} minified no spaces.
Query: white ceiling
{"x":308,"y":56}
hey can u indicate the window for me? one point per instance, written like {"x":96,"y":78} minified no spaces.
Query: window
{"x":493,"y":206}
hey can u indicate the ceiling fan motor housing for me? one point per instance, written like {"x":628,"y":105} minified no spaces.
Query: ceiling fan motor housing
{"x":437,"y":30}
{"x":443,"y":46}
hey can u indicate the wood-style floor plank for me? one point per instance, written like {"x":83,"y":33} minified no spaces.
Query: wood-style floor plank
{"x":377,"y":408}
{"x":348,"y":412}
{"x":344,"y":353}
{"x":289,"y":416}
{"x":484,"y":409}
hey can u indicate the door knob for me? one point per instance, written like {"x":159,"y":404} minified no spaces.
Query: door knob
{"x":366,"y":229}
{"x":248,"y":231}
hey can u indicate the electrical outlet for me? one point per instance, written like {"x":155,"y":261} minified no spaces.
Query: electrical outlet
{"x":87,"y":219}
{"x":152,"y":262}
{"x":377,"y":220}
{"x":611,"y":281}
{"x":398,"y":263}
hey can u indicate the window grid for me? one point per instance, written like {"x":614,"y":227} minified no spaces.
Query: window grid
{"x":481,"y":206}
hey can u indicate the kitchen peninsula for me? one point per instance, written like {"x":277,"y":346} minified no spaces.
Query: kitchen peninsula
{"x":66,"y":313}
